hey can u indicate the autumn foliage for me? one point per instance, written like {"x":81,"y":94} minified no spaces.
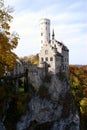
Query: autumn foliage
{"x":8,"y":40}
{"x":78,"y":86}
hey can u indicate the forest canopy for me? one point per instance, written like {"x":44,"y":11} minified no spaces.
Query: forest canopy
{"x":78,"y":87}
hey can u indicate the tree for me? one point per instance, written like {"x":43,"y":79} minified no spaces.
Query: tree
{"x":78,"y":87}
{"x":8,"y":40}
{"x":33,"y":59}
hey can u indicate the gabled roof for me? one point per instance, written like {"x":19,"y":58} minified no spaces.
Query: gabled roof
{"x":59,"y":54}
{"x":61,"y":44}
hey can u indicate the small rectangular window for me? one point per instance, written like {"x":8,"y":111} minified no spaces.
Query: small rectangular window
{"x":42,"y":59}
{"x":41,"y":34}
{"x":46,"y":58}
{"x":51,"y":58}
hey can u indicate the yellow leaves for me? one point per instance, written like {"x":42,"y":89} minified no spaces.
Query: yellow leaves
{"x":83,"y":102}
{"x":7,"y":33}
{"x":8,"y":41}
{"x":78,"y":82}
{"x":7,"y":57}
{"x":14,"y":42}
{"x":3,"y":38}
{"x":34,"y":59}
{"x":6,"y":26}
{"x":83,"y":106}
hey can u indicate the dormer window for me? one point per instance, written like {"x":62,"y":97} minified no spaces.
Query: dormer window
{"x":46,"y":52}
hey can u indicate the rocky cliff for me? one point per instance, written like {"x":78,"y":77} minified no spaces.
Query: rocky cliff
{"x":51,"y":107}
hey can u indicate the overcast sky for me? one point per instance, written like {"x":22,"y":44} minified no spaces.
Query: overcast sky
{"x":68,"y":18}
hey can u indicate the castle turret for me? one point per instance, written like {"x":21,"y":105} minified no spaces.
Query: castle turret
{"x":53,"y":35}
{"x":45,"y":30}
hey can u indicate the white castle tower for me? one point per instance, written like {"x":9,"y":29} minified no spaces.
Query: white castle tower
{"x":54,"y":55}
{"x":45,"y":30}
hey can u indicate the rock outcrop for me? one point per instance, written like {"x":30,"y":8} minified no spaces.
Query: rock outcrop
{"x":52,"y":108}
{"x":2,"y":127}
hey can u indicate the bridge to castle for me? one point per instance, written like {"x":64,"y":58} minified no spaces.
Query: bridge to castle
{"x":15,"y":78}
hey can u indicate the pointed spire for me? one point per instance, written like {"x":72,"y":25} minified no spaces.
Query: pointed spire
{"x":53,"y":35}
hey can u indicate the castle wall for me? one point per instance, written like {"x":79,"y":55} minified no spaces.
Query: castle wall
{"x":47,"y":55}
{"x":53,"y":57}
{"x":58,"y":64}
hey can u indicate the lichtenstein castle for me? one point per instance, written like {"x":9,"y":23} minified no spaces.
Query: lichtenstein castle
{"x":53,"y":54}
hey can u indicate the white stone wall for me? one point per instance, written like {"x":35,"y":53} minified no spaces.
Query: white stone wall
{"x":45,"y":30}
{"x":47,"y":55}
{"x":64,"y":53}
{"x":59,"y":47}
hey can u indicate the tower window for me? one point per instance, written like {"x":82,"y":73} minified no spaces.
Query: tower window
{"x":46,"y":58}
{"x":41,"y":34}
{"x":51,"y":58}
{"x":46,"y":51}
{"x":45,"y":23}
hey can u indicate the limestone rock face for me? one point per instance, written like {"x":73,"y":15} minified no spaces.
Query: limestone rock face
{"x":57,"y":88}
{"x":70,"y":123}
{"x":56,"y":112}
{"x":2,"y":127}
{"x":35,"y":80}
{"x":43,"y":110}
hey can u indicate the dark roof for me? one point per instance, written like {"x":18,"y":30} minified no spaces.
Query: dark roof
{"x":63,"y":46}
{"x":59,"y":54}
